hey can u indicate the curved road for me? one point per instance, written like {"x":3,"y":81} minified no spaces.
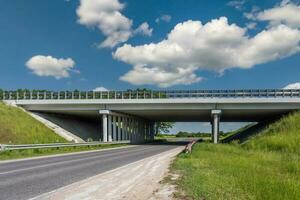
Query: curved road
{"x":29,"y":178}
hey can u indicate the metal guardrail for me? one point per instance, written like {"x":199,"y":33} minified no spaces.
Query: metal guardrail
{"x":146,"y":94}
{"x":4,"y":147}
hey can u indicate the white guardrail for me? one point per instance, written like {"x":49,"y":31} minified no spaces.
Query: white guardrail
{"x":4,"y":147}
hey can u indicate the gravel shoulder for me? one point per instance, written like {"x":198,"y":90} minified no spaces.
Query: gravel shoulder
{"x":138,"y":180}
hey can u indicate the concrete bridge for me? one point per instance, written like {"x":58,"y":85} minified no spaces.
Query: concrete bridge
{"x":131,"y":115}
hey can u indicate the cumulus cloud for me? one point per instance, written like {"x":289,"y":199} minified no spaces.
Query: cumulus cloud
{"x":251,"y":25}
{"x":100,"y":89}
{"x":292,"y":86}
{"x":165,"y":18}
{"x":144,"y":29}
{"x":285,"y":13}
{"x":237,"y":4}
{"x":141,"y":75}
{"x":214,"y":46}
{"x":50,"y":66}
{"x":107,"y":17}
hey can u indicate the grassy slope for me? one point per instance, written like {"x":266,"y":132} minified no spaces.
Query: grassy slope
{"x":17,"y":127}
{"x":267,"y":166}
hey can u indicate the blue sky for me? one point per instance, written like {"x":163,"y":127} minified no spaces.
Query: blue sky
{"x":59,"y":44}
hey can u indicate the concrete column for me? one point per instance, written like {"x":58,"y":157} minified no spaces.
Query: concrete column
{"x":128,"y":128}
{"x":119,"y":128}
{"x":144,"y":131}
{"x":149,"y":130}
{"x":114,"y":128}
{"x":215,"y":125}
{"x":104,"y":114}
{"x":135,"y":130}
{"x":109,"y":129}
{"x":152,"y":131}
{"x":104,"y":128}
{"x":124,"y":136}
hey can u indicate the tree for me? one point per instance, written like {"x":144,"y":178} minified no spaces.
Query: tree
{"x":163,"y":127}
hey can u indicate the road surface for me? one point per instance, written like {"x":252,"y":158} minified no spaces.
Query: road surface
{"x":29,"y":178}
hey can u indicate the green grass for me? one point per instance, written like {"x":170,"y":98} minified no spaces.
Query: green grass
{"x":267,"y":166}
{"x":17,"y":127}
{"x":15,"y":154}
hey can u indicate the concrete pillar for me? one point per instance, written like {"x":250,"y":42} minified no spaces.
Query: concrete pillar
{"x":119,"y":128}
{"x":128,"y":128}
{"x":109,"y":129}
{"x":104,"y":114}
{"x":104,"y":128}
{"x":135,"y":130}
{"x":114,"y":128}
{"x":149,"y":131}
{"x":152,"y":132}
{"x":215,"y":125}
{"x":144,"y":131}
{"x":124,"y":136}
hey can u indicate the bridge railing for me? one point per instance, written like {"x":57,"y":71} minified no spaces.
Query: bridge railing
{"x":147,"y":94}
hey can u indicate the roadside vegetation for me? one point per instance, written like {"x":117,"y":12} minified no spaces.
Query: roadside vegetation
{"x":183,"y":134}
{"x":17,"y":127}
{"x":26,"y":153}
{"x":266,"y":166}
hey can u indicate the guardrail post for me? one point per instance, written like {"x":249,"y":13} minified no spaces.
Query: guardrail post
{"x":2,"y":147}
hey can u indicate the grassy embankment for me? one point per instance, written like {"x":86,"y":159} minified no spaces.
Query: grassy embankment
{"x":266,"y":166}
{"x":17,"y":127}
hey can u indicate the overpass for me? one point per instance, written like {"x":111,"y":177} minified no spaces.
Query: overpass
{"x":131,"y":114}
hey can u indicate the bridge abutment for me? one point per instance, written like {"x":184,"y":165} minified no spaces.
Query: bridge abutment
{"x":215,"y":122}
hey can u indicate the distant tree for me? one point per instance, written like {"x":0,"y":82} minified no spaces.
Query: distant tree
{"x":163,"y":127}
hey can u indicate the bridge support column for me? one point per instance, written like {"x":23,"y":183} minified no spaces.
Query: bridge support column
{"x":114,"y":128}
{"x":104,"y":114}
{"x":152,"y":130}
{"x":215,"y":125}
{"x":109,"y":129}
{"x":125,"y":128}
{"x":119,"y":128}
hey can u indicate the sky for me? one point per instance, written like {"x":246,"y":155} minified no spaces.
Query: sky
{"x":169,"y":44}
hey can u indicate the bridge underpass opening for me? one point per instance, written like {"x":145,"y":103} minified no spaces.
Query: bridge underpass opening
{"x":204,"y":129}
{"x":137,"y":126}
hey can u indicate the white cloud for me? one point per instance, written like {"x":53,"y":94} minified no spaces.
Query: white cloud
{"x":100,"y":89}
{"x":214,"y":46}
{"x":292,"y":86}
{"x":165,"y":18}
{"x":237,"y":4}
{"x":144,"y":29}
{"x":50,"y":66}
{"x":251,"y":25}
{"x":142,"y":75}
{"x":286,"y":13}
{"x":106,"y":16}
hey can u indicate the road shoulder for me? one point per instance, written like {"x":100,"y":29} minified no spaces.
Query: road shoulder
{"x":138,"y":180}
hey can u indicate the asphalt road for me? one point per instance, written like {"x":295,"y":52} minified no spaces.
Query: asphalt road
{"x":29,"y":178}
